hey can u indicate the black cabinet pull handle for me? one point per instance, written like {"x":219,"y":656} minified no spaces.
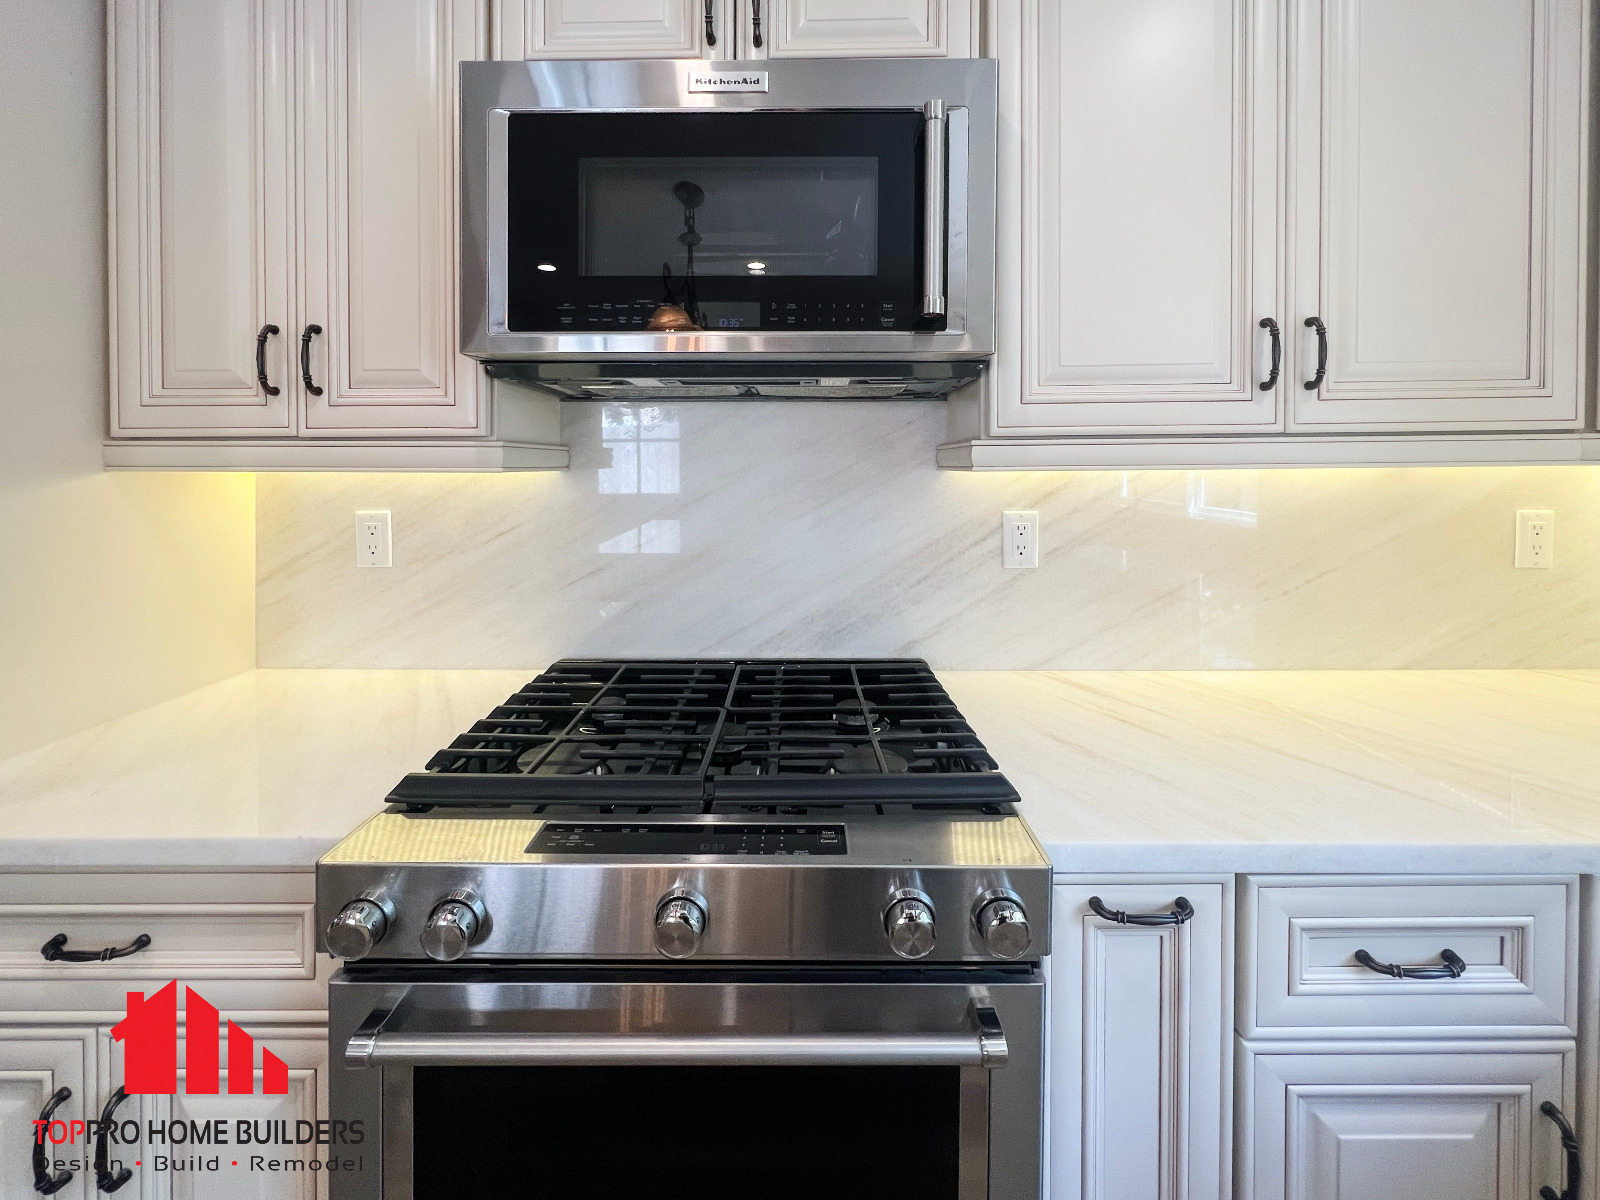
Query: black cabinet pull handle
{"x":55,"y":950}
{"x":311,"y":331}
{"x":1453,"y":967}
{"x":1322,"y":353}
{"x":711,"y":22}
{"x":1276,"y":334}
{"x":755,"y":23}
{"x":43,"y":1182}
{"x":261,"y":358}
{"x":104,"y":1180}
{"x":1182,"y":910}
{"x":1569,"y":1143}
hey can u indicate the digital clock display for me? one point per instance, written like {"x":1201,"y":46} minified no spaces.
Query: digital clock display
{"x":731,"y":314}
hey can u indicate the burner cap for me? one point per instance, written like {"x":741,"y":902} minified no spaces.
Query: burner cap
{"x":853,"y":715}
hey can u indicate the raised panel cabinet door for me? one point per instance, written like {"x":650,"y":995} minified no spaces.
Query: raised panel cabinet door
{"x":1462,"y":1123}
{"x":1139,"y":1044}
{"x":34,"y":1064}
{"x":614,"y":29}
{"x":1439,"y":200}
{"x":197,"y":140}
{"x":1139,"y":222}
{"x":379,"y":175}
{"x":857,"y":28}
{"x":304,"y":1050}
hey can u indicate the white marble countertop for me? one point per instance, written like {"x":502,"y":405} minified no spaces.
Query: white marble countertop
{"x":1495,"y":771}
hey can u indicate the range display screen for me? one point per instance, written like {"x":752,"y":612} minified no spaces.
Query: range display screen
{"x":728,"y":840}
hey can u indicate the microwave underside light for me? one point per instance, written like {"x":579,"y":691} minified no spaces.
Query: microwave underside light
{"x":713,"y":380}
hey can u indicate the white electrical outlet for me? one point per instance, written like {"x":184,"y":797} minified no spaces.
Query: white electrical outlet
{"x":373,"y":545}
{"x":1019,"y":539}
{"x":1536,"y":537}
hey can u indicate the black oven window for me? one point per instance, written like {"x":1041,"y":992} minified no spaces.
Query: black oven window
{"x":758,"y":220}
{"x":686,"y":1133}
{"x":755,"y":216}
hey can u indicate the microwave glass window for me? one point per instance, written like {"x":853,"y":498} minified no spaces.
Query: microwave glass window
{"x":797,"y":220}
{"x":753,"y":216}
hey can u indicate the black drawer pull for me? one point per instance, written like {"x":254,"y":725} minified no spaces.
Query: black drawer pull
{"x":711,"y":22}
{"x":1182,"y":910}
{"x":1453,"y":967}
{"x":311,"y":331}
{"x":261,"y":358}
{"x":1276,"y":334}
{"x":755,"y":23}
{"x":55,"y":950}
{"x":1322,"y":353}
{"x":104,"y":1180}
{"x":43,"y":1182}
{"x":1569,"y":1143}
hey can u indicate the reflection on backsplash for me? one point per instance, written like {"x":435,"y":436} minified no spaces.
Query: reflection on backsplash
{"x":824,"y":528}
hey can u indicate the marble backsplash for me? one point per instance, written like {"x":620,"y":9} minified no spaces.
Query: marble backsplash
{"x":826,"y":529}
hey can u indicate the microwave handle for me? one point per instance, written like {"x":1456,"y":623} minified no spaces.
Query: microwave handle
{"x":936,"y":172}
{"x":981,"y":1046}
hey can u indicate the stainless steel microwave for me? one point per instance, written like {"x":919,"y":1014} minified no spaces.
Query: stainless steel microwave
{"x":679,"y":227}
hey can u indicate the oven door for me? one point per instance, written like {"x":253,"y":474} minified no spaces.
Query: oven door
{"x":613,"y":1085}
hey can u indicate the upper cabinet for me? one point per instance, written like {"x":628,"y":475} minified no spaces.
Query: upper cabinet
{"x":614,"y":29}
{"x":1222,"y":219}
{"x":198,"y":136}
{"x":1141,"y":155}
{"x":735,"y":29}
{"x":1438,"y":199}
{"x":283,"y":180}
{"x":857,"y":28}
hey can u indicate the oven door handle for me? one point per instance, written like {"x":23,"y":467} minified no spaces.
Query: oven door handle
{"x":982,"y":1045}
{"x":936,"y":177}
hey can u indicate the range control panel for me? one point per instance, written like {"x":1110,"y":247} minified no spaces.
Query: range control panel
{"x":727,"y":315}
{"x":727,"y":840}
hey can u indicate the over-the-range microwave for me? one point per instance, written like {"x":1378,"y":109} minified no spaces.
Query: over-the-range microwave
{"x":678,"y":228}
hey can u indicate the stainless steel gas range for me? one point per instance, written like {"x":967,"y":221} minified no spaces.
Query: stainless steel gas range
{"x":695,"y":928}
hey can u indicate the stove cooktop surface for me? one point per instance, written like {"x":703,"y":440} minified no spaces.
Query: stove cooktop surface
{"x":758,"y":737}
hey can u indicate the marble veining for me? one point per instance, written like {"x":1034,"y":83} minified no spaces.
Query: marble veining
{"x":1428,"y":771}
{"x":824,"y":528}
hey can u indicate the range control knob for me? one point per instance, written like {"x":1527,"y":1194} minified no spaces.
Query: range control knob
{"x":680,"y":923}
{"x":359,"y":927}
{"x":455,"y":923}
{"x":1002,"y":924}
{"x":909,"y":924}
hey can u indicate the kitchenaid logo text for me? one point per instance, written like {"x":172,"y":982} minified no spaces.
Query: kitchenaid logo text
{"x":727,"y":81}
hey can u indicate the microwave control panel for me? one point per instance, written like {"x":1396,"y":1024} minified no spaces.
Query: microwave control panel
{"x":729,"y":315}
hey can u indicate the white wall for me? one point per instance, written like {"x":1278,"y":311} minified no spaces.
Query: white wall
{"x":116,"y":591}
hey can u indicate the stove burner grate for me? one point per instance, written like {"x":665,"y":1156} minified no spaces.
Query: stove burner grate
{"x":847,"y":731}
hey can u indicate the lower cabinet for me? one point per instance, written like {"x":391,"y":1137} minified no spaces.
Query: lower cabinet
{"x":37,"y":1064}
{"x":1404,"y":1121}
{"x":1139,"y":1049}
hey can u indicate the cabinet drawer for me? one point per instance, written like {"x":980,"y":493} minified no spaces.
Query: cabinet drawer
{"x":247,"y":942}
{"x":1516,"y":937}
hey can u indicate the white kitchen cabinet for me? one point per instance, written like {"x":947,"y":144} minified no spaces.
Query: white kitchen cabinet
{"x":858,"y":28}
{"x":1139,"y":1050}
{"x":1400,"y":1122}
{"x":304,"y":1050}
{"x":198,"y":138}
{"x":34,"y":1063}
{"x":378,"y":165}
{"x":1138,"y":215}
{"x":290,"y":166}
{"x":1439,"y":196}
{"x":614,"y":29}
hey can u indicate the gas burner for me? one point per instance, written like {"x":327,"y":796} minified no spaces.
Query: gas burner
{"x":863,"y":760}
{"x":855,"y":715}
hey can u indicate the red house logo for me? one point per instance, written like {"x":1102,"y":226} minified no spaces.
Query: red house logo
{"x":149,"y":1034}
